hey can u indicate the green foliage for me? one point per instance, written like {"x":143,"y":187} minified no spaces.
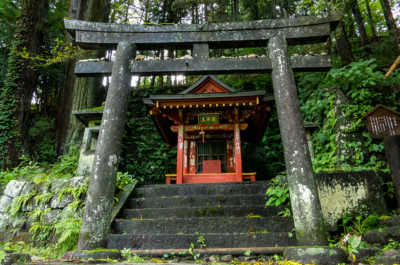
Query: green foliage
{"x":363,"y":86}
{"x":392,"y":244}
{"x":124,"y":179}
{"x":31,"y":171}
{"x":43,"y":142}
{"x":20,"y":202}
{"x":145,"y":156}
{"x":278,"y":194}
{"x":359,"y":224}
{"x":67,"y":231}
{"x":131,"y":258}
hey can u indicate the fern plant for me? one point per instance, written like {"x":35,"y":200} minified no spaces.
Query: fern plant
{"x":67,"y":230}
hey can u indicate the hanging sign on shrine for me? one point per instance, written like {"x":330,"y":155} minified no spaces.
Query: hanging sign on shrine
{"x":382,"y":122}
{"x":209,"y":118}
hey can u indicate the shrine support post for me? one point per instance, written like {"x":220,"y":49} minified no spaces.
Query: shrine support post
{"x":304,"y":198}
{"x":392,"y":150}
{"x":99,"y":200}
{"x":179,"y":156}
{"x":238,"y":153}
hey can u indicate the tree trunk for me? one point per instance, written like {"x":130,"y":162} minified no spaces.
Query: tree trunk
{"x":371,"y":19}
{"x":343,"y":46}
{"x":22,"y":77}
{"x":80,"y":93}
{"x":359,"y":21}
{"x":387,"y":10}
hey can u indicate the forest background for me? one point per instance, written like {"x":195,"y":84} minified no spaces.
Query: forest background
{"x":38,"y":89}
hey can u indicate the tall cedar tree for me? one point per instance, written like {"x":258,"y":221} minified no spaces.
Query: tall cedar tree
{"x":22,"y":76}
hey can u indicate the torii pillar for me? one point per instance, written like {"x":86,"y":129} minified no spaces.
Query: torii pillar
{"x":306,"y":207}
{"x":100,"y":197}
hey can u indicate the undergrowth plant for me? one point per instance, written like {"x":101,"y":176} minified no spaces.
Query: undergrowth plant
{"x":278,"y":195}
{"x":363,"y":86}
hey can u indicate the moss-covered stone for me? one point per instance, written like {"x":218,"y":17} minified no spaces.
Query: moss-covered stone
{"x":316,"y":255}
{"x":93,"y":254}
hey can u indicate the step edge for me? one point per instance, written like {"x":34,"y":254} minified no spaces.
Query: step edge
{"x":211,"y":251}
{"x":198,"y":196}
{"x":274,"y":218}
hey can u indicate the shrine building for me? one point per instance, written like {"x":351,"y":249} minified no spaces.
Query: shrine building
{"x":207,"y":122}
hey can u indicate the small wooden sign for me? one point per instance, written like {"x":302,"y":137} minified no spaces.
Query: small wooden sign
{"x":382,"y":122}
{"x":209,"y":118}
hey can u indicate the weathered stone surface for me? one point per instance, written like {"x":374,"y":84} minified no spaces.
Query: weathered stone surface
{"x":204,"y":66}
{"x":52,"y":216}
{"x":77,"y":181}
{"x":207,"y":224}
{"x":391,"y":221}
{"x":222,"y":35}
{"x":342,"y":193}
{"x":306,"y":207}
{"x":14,"y":188}
{"x":87,"y":151}
{"x":59,"y":184}
{"x":16,"y":258}
{"x":391,"y":252}
{"x":226,"y":258}
{"x":17,"y":222}
{"x":5,"y":201}
{"x":28,"y":187}
{"x":363,"y":253}
{"x":4,"y":219}
{"x":94,"y":254}
{"x":56,"y":203}
{"x":214,"y":258}
{"x":382,"y":236}
{"x":216,"y":240}
{"x":388,"y":260}
{"x":316,"y":255}
{"x":100,"y":197}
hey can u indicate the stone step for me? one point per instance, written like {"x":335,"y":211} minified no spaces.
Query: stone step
{"x":254,"y":224}
{"x":238,"y":188}
{"x":183,"y":241}
{"x":195,"y":201}
{"x":209,"y":251}
{"x":181,"y":212}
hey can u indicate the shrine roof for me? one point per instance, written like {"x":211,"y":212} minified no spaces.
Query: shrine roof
{"x":203,"y":80}
{"x":381,"y":108}
{"x":208,"y":87}
{"x":205,"y":96}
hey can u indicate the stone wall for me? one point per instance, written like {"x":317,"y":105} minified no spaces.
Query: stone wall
{"x":54,"y":208}
{"x":342,"y":193}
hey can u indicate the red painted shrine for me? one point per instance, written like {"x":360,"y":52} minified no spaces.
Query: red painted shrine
{"x":207,"y":123}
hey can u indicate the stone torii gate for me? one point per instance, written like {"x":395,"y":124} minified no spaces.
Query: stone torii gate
{"x":200,"y":39}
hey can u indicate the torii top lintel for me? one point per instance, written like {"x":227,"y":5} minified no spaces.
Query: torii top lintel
{"x":299,"y":30}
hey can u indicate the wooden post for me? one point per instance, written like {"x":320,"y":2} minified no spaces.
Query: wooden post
{"x":306,"y":207}
{"x":230,"y":159}
{"x":238,"y":153}
{"x":100,"y":196}
{"x":185,"y":156}
{"x":179,"y":156}
{"x":392,"y":150}
{"x":192,"y":157}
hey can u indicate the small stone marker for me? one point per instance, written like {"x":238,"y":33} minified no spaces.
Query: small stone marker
{"x":383,"y":122}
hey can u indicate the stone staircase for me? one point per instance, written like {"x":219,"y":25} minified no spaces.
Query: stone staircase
{"x":218,"y":218}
